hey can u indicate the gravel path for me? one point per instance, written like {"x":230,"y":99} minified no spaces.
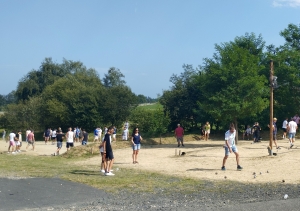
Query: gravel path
{"x":56,"y":194}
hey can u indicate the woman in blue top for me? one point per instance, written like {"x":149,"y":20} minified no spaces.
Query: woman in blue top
{"x":136,"y":139}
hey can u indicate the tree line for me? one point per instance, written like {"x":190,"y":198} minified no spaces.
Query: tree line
{"x":232,"y":86}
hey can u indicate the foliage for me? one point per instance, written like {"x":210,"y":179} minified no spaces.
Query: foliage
{"x":150,"y":122}
{"x":292,"y":36}
{"x":113,"y":78}
{"x":143,"y":99}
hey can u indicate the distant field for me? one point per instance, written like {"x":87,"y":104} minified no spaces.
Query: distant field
{"x":150,"y":106}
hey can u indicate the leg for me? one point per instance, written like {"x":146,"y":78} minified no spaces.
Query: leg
{"x":237,"y":157}
{"x":224,"y":160}
{"x":110,"y":165}
{"x":136,"y":155}
{"x":133,"y":156}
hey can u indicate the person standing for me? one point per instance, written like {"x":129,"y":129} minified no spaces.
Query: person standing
{"x":125,"y":134}
{"x":12,"y":139}
{"x":47,"y":135}
{"x":256,"y":132}
{"x":126,"y":125}
{"x":231,"y":147}
{"x":85,"y":137}
{"x":76,"y":133}
{"x":19,"y":142}
{"x":247,"y":132}
{"x":274,"y":129}
{"x":59,"y":141}
{"x":297,"y":119}
{"x":3,"y":135}
{"x":292,"y":128}
{"x":107,"y":152}
{"x":70,"y":139}
{"x":136,"y":139}
{"x":179,"y":132}
{"x":284,"y":127}
{"x":30,"y":140}
{"x":207,"y":130}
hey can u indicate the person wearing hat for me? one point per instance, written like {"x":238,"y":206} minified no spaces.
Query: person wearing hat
{"x":274,"y":128}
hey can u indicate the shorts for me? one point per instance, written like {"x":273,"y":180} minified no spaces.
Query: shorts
{"x":284,"y":130}
{"x":255,"y":136}
{"x":84,"y":142}
{"x":233,"y":148}
{"x":70,"y":145}
{"x":292,"y":135}
{"x":109,"y":155}
{"x":59,"y":144}
{"x":76,"y":136}
{"x":114,"y":135}
{"x":207,"y":132}
{"x":274,"y":137}
{"x":30,"y":142}
{"x":124,"y":138}
{"x":53,"y":138}
{"x":179,"y":139}
{"x":96,"y":138}
{"x":136,"y":146}
{"x":12,"y":143}
{"x":17,"y":143}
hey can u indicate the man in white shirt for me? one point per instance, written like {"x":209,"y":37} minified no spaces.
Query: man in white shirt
{"x":70,"y":138}
{"x":284,"y":127}
{"x":230,"y":147}
{"x":292,"y":127}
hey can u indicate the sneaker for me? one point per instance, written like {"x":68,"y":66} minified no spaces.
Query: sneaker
{"x":13,"y":153}
{"x":291,"y":145}
{"x":109,"y":174}
{"x":278,"y":148}
{"x":178,"y":145}
{"x":239,"y":167}
{"x":183,"y":145}
{"x":102,"y":170}
{"x":223,"y":168}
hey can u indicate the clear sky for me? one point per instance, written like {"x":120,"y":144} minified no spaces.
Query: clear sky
{"x":148,"y":40}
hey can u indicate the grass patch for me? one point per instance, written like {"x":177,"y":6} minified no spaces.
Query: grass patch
{"x":153,"y":106}
{"x":125,"y":179}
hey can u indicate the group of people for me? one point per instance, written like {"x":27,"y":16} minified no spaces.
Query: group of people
{"x":15,"y":141}
{"x":107,"y":152}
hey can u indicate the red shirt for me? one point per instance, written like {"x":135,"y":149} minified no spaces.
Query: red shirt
{"x":179,"y":132}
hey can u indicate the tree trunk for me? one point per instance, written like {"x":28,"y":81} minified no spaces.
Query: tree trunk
{"x":237,"y":131}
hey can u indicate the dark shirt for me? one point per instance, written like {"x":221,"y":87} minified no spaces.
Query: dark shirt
{"x":59,"y":137}
{"x":137,"y":139}
{"x":85,"y":136}
{"x":256,"y":129}
{"x":107,"y":141}
{"x":275,"y":128}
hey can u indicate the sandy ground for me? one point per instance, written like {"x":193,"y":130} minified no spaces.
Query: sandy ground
{"x":203,"y":160}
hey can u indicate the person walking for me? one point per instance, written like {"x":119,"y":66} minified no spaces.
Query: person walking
{"x":107,"y":152}
{"x":59,"y":141}
{"x":53,"y":136}
{"x":292,"y":128}
{"x":70,"y":139}
{"x":136,"y":139}
{"x":12,"y":145}
{"x":30,"y":140}
{"x":284,"y":127}
{"x":179,"y":133}
{"x":231,"y":147}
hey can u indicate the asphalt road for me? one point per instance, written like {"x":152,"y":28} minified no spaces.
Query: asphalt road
{"x":57,"y":194}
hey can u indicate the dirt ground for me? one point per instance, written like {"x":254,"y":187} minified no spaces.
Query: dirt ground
{"x":203,"y":160}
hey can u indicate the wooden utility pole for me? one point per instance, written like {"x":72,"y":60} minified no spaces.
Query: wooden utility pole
{"x":271,"y":105}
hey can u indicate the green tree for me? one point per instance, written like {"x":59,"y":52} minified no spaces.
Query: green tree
{"x":232,"y":83}
{"x":292,"y":36}
{"x":113,"y":78}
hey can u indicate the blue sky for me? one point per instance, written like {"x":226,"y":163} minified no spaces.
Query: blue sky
{"x":148,"y":40}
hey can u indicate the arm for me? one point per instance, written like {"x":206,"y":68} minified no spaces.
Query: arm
{"x":104,"y":147}
{"x":132,"y":140}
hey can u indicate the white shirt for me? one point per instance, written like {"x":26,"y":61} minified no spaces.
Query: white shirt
{"x":12,"y":137}
{"x":230,"y":137}
{"x":292,"y":126}
{"x":70,"y":138}
{"x":54,"y":133}
{"x":285,"y":124}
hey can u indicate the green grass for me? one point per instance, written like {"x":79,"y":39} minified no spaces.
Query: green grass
{"x":64,"y":168}
{"x":154,"y":106}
